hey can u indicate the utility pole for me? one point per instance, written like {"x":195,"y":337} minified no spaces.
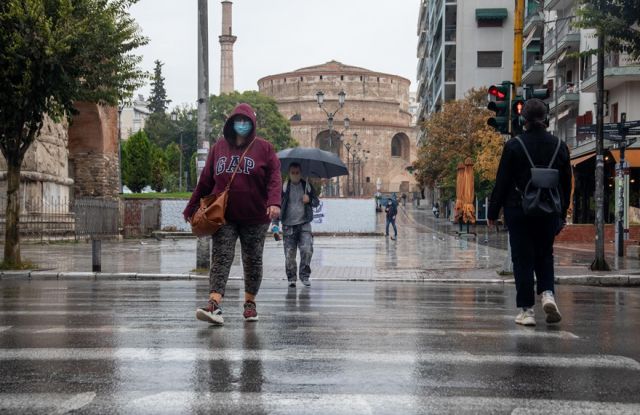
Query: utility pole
{"x":203,"y":251}
{"x":518,"y":26}
{"x":600,"y":263}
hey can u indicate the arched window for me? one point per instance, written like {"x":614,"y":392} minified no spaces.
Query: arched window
{"x":396,"y":147}
{"x":333,"y":145}
{"x":400,"y":146}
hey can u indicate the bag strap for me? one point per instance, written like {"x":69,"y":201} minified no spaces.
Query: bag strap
{"x":239,"y":164}
{"x":555,"y":153}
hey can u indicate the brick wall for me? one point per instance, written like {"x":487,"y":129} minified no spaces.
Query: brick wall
{"x":587,"y":233}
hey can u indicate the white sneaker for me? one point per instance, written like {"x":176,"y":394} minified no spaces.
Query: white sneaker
{"x":526,"y":317}
{"x":550,"y":307}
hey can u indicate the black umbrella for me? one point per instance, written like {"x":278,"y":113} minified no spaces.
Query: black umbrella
{"x":313,"y":162}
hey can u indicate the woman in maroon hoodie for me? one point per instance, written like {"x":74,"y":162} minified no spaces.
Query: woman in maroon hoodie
{"x":254,"y":200}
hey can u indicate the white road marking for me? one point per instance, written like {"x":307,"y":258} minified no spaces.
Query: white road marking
{"x":56,"y":403}
{"x":289,"y":354}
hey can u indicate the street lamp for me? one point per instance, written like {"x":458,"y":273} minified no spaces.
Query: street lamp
{"x":120,"y":108}
{"x":174,"y":118}
{"x":330,"y":117}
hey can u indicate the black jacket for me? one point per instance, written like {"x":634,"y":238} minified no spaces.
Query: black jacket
{"x":308,"y":208}
{"x":514,"y":170}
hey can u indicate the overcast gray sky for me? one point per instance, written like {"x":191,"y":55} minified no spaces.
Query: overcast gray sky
{"x":277,"y":36}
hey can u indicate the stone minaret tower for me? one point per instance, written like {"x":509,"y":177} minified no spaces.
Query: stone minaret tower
{"x":226,"y":50}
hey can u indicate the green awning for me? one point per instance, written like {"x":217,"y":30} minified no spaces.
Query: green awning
{"x":533,"y":48}
{"x":491,"y":14}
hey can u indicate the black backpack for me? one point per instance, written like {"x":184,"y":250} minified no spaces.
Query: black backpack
{"x":541,"y":196}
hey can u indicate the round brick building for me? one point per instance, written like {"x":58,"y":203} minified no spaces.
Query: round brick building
{"x":377,"y":105}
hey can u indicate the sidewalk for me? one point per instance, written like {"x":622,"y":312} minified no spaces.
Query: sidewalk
{"x":427,"y":250}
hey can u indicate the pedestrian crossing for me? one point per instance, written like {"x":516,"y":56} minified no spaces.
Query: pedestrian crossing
{"x":337,"y":348}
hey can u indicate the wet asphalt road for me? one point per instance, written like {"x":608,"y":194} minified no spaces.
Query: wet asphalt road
{"x":101,"y":347}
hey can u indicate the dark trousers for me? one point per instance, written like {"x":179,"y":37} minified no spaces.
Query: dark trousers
{"x":298,"y":237}
{"x":531,"y":240}
{"x":392,"y":222}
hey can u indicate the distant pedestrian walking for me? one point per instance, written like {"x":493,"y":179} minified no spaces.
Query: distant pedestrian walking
{"x":298,"y":200}
{"x":535,"y":206}
{"x":404,"y":199}
{"x":254,"y":200}
{"x":436,"y":210}
{"x":392,"y":211}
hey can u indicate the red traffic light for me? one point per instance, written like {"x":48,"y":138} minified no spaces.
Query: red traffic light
{"x":518,"y":106}
{"x":496,"y":92}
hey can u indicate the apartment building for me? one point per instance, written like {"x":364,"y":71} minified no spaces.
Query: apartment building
{"x":461,"y":45}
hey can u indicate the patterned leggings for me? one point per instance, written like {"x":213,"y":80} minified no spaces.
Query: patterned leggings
{"x":223,"y":251}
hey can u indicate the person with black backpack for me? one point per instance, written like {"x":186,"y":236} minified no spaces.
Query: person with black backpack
{"x":533,"y":185}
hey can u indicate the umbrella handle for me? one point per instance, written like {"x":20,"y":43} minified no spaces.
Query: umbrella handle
{"x":306,"y":187}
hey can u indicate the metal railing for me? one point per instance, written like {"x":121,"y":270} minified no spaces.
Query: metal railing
{"x":556,"y":34}
{"x":56,"y":219}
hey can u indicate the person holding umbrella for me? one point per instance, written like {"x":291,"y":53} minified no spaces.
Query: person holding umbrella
{"x":298,"y":200}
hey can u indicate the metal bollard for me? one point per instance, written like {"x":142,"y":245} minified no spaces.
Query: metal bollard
{"x":96,"y":255}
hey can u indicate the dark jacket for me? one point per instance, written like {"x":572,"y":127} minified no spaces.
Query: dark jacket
{"x":257,"y":184}
{"x":308,"y":208}
{"x":391,"y":210}
{"x":514,"y":170}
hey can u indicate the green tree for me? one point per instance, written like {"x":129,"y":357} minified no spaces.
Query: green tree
{"x":172,"y":156}
{"x":617,"y":20}
{"x":52,"y":53}
{"x":158,"y":168}
{"x":136,"y":163}
{"x":272,"y":126}
{"x":158,"y":102}
{"x":160,"y":129}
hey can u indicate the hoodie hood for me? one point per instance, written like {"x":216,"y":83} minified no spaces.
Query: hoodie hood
{"x":229,"y":132}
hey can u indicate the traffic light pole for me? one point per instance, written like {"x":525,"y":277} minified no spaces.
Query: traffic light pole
{"x":600,"y":263}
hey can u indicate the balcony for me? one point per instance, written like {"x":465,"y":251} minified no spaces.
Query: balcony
{"x":560,"y":39}
{"x":533,"y":22}
{"x":618,"y":69}
{"x":567,"y":96}
{"x":533,"y":73}
{"x":557,"y":4}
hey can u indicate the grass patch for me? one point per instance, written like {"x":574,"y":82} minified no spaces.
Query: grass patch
{"x":200,"y":270}
{"x":176,"y":195}
{"x":23,"y":266}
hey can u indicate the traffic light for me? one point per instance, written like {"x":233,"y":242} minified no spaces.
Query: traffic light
{"x":500,"y":96}
{"x":517,"y":124}
{"x":540,"y":93}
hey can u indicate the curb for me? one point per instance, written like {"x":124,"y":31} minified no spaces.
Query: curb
{"x":620,"y":280}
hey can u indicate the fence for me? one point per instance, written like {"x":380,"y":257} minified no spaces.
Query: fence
{"x":51,"y":219}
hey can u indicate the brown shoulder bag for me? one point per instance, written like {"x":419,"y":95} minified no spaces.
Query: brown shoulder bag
{"x":210,"y":215}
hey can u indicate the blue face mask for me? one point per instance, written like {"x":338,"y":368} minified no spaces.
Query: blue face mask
{"x":242,"y":128}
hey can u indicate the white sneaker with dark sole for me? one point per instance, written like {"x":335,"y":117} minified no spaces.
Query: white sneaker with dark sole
{"x":526,"y":318}
{"x":550,"y":308}
{"x":211,"y":316}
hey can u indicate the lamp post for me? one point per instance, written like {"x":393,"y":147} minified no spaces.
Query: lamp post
{"x":120,"y":108}
{"x":330,"y":117}
{"x":349,"y":146}
{"x":174,"y":118}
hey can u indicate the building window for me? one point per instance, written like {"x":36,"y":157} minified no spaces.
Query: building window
{"x":490,"y":59}
{"x":400,"y":146}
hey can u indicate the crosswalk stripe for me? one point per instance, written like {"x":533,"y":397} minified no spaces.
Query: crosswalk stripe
{"x":60,"y":403}
{"x":400,"y":357}
{"x":170,"y":402}
{"x":380,"y":331}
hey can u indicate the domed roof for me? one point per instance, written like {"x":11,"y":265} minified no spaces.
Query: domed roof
{"x":334,"y":66}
